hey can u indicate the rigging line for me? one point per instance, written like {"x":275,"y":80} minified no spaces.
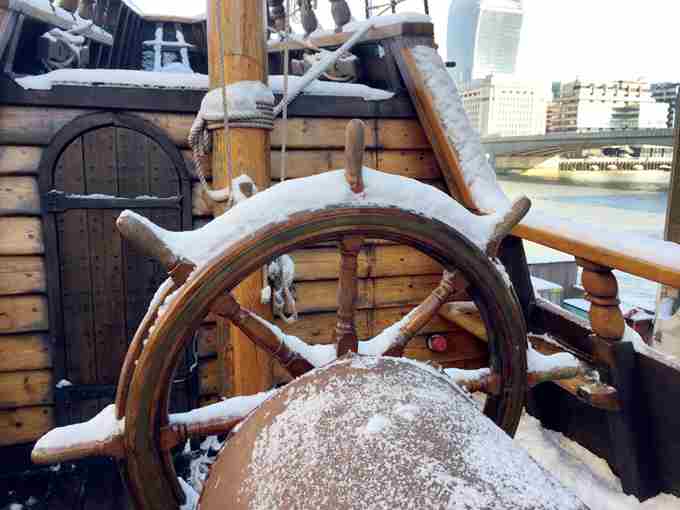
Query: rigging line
{"x":286,"y":56}
{"x":225,"y":106}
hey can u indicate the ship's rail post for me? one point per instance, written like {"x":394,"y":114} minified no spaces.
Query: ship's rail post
{"x":617,"y":358}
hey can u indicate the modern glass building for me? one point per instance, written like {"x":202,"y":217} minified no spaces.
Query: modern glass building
{"x":483,"y":37}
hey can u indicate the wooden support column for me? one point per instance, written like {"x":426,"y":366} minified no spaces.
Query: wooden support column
{"x":629,"y":427}
{"x":246,"y":369}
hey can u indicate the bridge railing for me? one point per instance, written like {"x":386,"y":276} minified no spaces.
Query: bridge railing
{"x":586,"y":135}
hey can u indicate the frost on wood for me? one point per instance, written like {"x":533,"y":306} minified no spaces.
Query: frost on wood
{"x":410,"y":439}
{"x":478,"y":175}
{"x":328,"y":190}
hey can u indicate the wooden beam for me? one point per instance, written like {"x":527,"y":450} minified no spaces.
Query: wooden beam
{"x":31,"y":351}
{"x":447,"y":155}
{"x":596,"y":395}
{"x":22,"y":275}
{"x":19,"y":196}
{"x":23,"y":314}
{"x":374,"y":261}
{"x":26,"y":388}
{"x":236,"y":52}
{"x":25,"y":424}
{"x":320,"y":296}
{"x":19,"y":160}
{"x":646,"y":266}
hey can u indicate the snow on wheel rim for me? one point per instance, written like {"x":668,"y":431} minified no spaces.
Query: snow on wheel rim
{"x":150,"y":472}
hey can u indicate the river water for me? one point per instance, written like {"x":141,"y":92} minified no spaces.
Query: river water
{"x":637,"y":208}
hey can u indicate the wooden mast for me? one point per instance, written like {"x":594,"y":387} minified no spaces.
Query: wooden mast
{"x":245,"y":368}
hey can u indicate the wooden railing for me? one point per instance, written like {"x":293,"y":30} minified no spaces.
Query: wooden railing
{"x":652,"y":259}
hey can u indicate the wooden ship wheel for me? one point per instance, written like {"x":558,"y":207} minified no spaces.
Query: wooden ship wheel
{"x":142,"y":432}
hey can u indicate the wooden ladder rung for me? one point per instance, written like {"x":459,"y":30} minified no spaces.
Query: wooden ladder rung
{"x":466,"y":316}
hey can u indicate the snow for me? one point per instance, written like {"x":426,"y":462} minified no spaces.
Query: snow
{"x":407,"y":437}
{"x":375,"y":424}
{"x":325,"y":61}
{"x":583,"y":472}
{"x":190,"y":494}
{"x":317,"y":355}
{"x":177,"y":76}
{"x":242,"y":101}
{"x":328,"y":190}
{"x":166,"y":79}
{"x":43,"y":10}
{"x":385,"y":340}
{"x":478,"y":175}
{"x":539,"y":284}
{"x":537,"y":362}
{"x":481,"y":180}
{"x":99,"y":429}
{"x":232,"y":408}
{"x":329,"y":88}
{"x":645,"y":249}
{"x":461,"y":376}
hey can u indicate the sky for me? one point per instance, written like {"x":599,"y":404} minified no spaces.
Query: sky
{"x":561,"y":39}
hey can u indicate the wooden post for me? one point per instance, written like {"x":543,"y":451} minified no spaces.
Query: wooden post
{"x":246,"y":368}
{"x":602,"y":291}
{"x":628,"y":428}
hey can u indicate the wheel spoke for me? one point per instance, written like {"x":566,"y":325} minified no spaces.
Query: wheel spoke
{"x":210,"y":420}
{"x":345,"y":329}
{"x":262,"y":333}
{"x":393,"y":339}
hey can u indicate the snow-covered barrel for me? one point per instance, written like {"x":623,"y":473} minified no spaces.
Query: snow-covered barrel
{"x":371,"y":432}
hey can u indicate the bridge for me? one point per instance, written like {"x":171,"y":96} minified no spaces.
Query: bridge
{"x":556,"y":143}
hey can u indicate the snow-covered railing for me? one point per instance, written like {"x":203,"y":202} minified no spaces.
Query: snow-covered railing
{"x":648,"y":258}
{"x":44,"y":11}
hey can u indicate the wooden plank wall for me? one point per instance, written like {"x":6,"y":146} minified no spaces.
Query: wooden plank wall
{"x":393,"y":277}
{"x":26,"y":384}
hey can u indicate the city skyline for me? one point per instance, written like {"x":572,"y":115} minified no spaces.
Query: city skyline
{"x":561,"y":39}
{"x":483,"y":37}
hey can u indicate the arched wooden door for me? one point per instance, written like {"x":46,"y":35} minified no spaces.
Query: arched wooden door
{"x":99,"y":286}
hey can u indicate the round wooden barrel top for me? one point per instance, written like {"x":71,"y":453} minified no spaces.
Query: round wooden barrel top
{"x":370,"y":432}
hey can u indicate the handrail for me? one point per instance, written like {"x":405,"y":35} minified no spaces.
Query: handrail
{"x":649,"y":258}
